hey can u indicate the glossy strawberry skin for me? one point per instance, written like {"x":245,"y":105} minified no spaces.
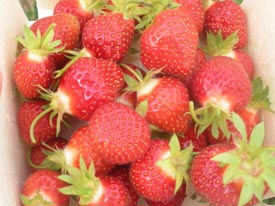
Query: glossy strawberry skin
{"x":229,"y":17}
{"x":67,"y":30}
{"x":121,"y":135}
{"x":43,"y":130}
{"x":90,"y":83}
{"x":206,"y":177}
{"x":37,"y":155}
{"x":29,"y":72}
{"x":73,"y":7}
{"x":81,"y":145}
{"x":167,"y":104}
{"x":196,"y":11}
{"x":170,"y":43}
{"x":148,"y":179}
{"x":122,"y":173}
{"x":222,"y":81}
{"x":46,"y":183}
{"x":108,"y":36}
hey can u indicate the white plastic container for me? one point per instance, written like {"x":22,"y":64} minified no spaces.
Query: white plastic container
{"x":13,"y":165}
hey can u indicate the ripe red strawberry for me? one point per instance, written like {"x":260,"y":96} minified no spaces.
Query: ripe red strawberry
{"x":38,"y":154}
{"x":170,"y":43}
{"x":120,"y":134}
{"x":160,"y":173}
{"x":43,"y":129}
{"x":217,"y":46}
{"x":176,"y":201}
{"x":86,"y":84}
{"x":67,"y":30}
{"x":228,"y":17}
{"x":122,"y":173}
{"x":196,"y":9}
{"x":240,"y":174}
{"x":108,"y":36}
{"x":93,"y":191}
{"x":199,"y":142}
{"x":42,"y":188}
{"x":220,"y":86}
{"x":83,"y":10}
{"x":34,"y":66}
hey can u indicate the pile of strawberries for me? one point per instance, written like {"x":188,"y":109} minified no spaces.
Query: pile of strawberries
{"x":161,"y":100}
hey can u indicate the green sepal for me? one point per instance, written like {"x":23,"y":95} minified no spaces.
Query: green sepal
{"x":82,"y":182}
{"x":178,"y":163}
{"x":217,"y":46}
{"x":142,"y":108}
{"x":238,"y":1}
{"x":37,"y":199}
{"x":257,"y":136}
{"x":269,"y":201}
{"x":246,"y":192}
{"x":30,"y":9}
{"x":260,"y":95}
{"x":226,"y":158}
{"x":239,"y":125}
{"x":42,"y":45}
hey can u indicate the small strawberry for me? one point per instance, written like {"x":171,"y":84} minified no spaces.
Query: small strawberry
{"x":176,"y":201}
{"x":162,"y":171}
{"x":170,"y":43}
{"x":228,"y":17}
{"x":196,"y":9}
{"x":38,"y":154}
{"x":122,"y":173}
{"x":220,"y":86}
{"x":217,"y":46}
{"x":42,"y":188}
{"x":83,"y":10}
{"x":120,"y":134}
{"x":93,"y":191}
{"x":35,"y":66}
{"x":164,"y":101}
{"x":44,"y":128}
{"x":67,"y":30}
{"x":235,"y":174}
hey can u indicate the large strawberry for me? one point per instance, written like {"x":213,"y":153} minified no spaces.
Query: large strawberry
{"x":42,"y":188}
{"x":164,"y":101}
{"x":162,"y":171}
{"x":86,"y":84}
{"x":44,"y":128}
{"x":67,"y":30}
{"x":170,"y":43}
{"x":120,"y":134}
{"x":93,"y":191}
{"x":220,"y":86}
{"x":34,"y":66}
{"x":228,"y":17}
{"x":235,"y":174}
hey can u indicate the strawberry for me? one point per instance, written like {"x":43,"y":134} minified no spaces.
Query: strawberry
{"x":120,"y":134}
{"x":164,"y":101}
{"x":217,"y":46}
{"x":108,"y":36}
{"x":93,"y":191}
{"x":42,"y":188}
{"x":38,"y":154}
{"x":35,"y":66}
{"x":235,"y":174}
{"x":67,"y":30}
{"x":196,"y":9}
{"x":220,"y":86}
{"x":170,"y":43}
{"x":228,"y":17}
{"x":83,"y":10}
{"x":122,"y":172}
{"x":199,"y":142}
{"x":86,"y":84}
{"x":44,"y":128}
{"x":162,"y":171}
{"x":176,"y":201}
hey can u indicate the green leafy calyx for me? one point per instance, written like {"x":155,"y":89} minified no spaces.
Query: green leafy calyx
{"x":178,"y":162}
{"x":250,"y":163}
{"x":36,"y":199}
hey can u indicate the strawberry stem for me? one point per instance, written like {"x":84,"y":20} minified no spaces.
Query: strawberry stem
{"x":30,"y":161}
{"x":139,"y":78}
